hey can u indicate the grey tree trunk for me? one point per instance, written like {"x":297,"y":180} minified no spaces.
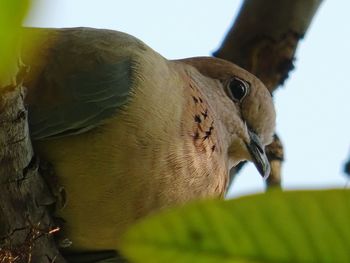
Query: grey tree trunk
{"x":26,"y":228}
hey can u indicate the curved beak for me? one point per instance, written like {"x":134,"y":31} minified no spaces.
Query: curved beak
{"x":257,"y":152}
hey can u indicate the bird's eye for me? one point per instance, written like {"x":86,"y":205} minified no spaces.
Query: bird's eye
{"x":237,"y":89}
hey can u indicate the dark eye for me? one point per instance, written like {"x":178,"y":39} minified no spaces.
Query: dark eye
{"x":237,"y":89}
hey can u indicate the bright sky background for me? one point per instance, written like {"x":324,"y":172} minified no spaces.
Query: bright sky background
{"x":313,"y":107}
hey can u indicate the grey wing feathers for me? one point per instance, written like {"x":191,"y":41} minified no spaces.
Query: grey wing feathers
{"x":85,"y":77}
{"x":93,"y":97}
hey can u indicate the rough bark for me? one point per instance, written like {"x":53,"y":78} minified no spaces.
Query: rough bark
{"x":263,"y":40}
{"x":25,"y":225}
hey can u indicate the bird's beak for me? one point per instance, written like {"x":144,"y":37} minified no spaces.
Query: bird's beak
{"x":257,"y":152}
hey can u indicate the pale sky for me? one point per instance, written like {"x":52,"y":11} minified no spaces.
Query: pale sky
{"x":313,"y":108}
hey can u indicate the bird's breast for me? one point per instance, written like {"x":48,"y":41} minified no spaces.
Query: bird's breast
{"x":155,"y":154}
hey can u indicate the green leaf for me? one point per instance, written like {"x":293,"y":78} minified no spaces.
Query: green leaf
{"x":12,"y":13}
{"x":296,"y":226}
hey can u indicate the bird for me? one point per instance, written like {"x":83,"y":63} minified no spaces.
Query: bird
{"x":129,"y":132}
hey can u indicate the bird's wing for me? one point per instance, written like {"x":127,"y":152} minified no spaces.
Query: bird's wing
{"x":77,"y":79}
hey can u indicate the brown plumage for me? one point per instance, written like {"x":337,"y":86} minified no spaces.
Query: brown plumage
{"x":132,"y":132}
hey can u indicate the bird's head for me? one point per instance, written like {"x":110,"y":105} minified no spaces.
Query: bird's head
{"x":243,"y":105}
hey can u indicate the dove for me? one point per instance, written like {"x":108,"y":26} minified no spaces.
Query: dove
{"x":130,"y":132}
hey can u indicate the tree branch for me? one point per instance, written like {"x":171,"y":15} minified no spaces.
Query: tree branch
{"x":263,"y":40}
{"x":25,"y":226}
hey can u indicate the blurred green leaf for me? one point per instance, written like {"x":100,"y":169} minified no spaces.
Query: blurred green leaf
{"x":12,"y":13}
{"x":296,"y":226}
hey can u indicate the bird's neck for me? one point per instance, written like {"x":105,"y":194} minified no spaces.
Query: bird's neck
{"x":181,"y":119}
